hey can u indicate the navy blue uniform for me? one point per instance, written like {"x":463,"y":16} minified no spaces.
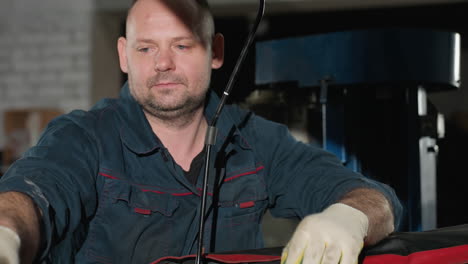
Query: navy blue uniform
{"x":110,"y":191}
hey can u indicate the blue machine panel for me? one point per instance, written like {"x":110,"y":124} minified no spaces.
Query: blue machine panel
{"x":377,"y":136}
{"x":362,"y":57}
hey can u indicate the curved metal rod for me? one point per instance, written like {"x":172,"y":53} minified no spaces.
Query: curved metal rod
{"x":241,"y":59}
{"x":211,"y":133}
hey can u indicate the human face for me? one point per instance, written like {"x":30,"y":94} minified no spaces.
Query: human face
{"x":168,"y":64}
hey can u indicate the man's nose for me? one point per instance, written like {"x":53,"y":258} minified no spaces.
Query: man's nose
{"x":164,"y":60}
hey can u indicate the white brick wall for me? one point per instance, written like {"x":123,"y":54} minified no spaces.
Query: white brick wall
{"x":45,"y":50}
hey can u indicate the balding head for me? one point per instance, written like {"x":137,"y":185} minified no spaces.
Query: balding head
{"x":195,"y":14}
{"x":169,"y":53}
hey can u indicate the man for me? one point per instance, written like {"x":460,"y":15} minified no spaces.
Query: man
{"x":122,"y":182}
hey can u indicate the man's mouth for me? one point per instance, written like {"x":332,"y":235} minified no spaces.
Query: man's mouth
{"x":166,"y":84}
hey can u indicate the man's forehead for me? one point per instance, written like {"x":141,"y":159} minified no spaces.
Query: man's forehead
{"x":186,"y":11}
{"x":202,"y":3}
{"x":194,"y":15}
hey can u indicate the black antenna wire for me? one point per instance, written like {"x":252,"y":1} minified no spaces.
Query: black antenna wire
{"x":240,"y":60}
{"x":211,"y":132}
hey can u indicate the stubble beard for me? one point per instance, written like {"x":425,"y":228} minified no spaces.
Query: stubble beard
{"x":177,"y":113}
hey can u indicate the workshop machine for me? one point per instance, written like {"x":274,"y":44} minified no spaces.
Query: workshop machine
{"x":365,"y":97}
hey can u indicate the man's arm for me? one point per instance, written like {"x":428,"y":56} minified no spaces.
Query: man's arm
{"x":19,"y":213}
{"x":361,"y":217}
{"x":377,"y":209}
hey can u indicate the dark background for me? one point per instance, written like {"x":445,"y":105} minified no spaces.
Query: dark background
{"x":451,"y":170}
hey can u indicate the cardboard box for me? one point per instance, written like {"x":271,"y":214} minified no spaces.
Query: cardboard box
{"x":22,"y":130}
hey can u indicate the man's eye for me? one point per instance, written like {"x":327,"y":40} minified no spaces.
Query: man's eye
{"x":182,"y":47}
{"x":143,"y":50}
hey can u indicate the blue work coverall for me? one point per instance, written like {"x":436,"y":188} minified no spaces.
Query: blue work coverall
{"x":110,"y":192}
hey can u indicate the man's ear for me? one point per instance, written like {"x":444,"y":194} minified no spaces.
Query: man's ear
{"x":218,"y":51}
{"x":121,"y":47}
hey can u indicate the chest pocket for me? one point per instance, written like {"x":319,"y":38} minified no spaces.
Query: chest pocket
{"x":241,"y":205}
{"x":131,"y":221}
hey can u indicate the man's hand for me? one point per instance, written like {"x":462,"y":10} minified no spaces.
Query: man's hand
{"x":9,"y":246}
{"x":19,"y":221}
{"x":334,"y":236}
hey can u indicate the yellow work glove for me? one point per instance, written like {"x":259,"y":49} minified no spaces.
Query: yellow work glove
{"x":9,"y":246}
{"x":333,"y":236}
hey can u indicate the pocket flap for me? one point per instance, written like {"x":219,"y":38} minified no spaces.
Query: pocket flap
{"x":143,"y":201}
{"x":243,"y":189}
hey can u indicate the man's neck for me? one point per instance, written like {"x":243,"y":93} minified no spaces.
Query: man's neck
{"x":183,"y":140}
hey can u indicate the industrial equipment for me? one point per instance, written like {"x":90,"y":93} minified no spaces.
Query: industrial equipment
{"x":371,"y":107}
